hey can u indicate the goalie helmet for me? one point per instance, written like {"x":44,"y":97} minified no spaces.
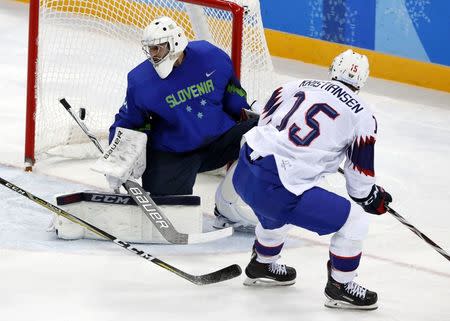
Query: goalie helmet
{"x":163,"y":36}
{"x":351,"y":68}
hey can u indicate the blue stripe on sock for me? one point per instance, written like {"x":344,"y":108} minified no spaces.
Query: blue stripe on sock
{"x":345,"y":264}
{"x":268,"y":250}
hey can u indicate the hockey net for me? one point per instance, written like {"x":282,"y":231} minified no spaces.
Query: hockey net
{"x":85,"y":48}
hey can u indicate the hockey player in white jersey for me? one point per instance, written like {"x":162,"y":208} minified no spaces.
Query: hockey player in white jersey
{"x":307,"y":128}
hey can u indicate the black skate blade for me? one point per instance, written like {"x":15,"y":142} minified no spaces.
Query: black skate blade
{"x":265,"y":282}
{"x":339,"y":304}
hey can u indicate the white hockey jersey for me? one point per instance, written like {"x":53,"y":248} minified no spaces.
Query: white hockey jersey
{"x":310,"y":126}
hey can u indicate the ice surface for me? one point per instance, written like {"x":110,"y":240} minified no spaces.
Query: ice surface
{"x":42,"y":278}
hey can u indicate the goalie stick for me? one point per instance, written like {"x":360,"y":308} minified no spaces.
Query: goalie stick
{"x":224,"y":274}
{"x":413,"y":229}
{"x":148,"y":206}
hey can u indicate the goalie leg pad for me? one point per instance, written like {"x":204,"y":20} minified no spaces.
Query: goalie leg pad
{"x":230,"y":205}
{"x":118,"y":215}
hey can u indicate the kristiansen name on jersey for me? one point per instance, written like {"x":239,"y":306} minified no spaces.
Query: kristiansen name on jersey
{"x":336,"y":90}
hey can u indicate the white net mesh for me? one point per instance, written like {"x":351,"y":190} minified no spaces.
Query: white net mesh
{"x":87,"y":47}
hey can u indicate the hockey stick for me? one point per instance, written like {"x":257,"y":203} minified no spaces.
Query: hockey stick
{"x":148,"y":206}
{"x":224,"y":274}
{"x":402,"y":220}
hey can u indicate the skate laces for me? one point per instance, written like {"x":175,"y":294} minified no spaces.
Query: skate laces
{"x":355,"y":289}
{"x":276,"y":268}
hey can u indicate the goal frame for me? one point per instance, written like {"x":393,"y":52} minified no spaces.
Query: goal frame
{"x":236,"y":10}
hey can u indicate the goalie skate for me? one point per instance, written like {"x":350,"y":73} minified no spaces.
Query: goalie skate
{"x":221,"y":222}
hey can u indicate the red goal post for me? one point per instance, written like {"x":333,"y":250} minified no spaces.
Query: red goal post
{"x":66,"y":36}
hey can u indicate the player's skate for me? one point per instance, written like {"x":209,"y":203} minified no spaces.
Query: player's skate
{"x":221,"y":222}
{"x":269,"y":274}
{"x":348,"y":295}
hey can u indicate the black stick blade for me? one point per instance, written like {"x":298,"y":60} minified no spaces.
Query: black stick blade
{"x":224,"y":274}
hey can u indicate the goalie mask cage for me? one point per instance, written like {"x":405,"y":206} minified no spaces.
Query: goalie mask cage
{"x":82,"y":50}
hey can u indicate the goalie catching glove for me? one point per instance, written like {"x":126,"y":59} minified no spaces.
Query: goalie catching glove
{"x":124,"y":158}
{"x":376,"y":201}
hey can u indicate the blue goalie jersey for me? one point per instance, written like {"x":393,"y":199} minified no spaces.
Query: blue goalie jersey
{"x":199,"y":101}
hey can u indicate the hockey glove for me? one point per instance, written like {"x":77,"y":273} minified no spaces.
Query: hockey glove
{"x":251,"y":113}
{"x":376,"y":201}
{"x":247,"y":114}
{"x":125,"y":157}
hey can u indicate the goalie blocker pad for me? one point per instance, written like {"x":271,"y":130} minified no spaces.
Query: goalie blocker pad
{"x":119,"y":215}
